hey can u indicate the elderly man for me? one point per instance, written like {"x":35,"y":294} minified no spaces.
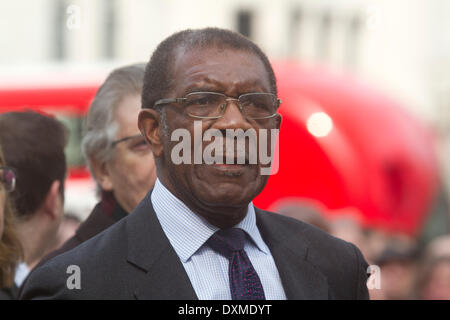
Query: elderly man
{"x":197,"y":235}
{"x":120,"y":159}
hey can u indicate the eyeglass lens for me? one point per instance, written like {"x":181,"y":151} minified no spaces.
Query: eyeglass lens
{"x":209,"y":104}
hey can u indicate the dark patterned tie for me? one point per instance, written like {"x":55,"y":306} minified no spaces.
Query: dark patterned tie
{"x":244,"y":281}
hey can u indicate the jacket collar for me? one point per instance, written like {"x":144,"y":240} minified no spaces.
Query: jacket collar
{"x":150,"y":250}
{"x":188,"y":232}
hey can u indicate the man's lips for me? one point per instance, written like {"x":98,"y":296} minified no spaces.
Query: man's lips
{"x":228,"y":166}
{"x":231,"y":170}
{"x":234,"y":166}
{"x":233,"y":159}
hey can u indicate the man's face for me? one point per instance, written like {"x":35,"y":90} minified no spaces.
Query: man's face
{"x":131,"y":172}
{"x":438,"y":284}
{"x":210,"y":187}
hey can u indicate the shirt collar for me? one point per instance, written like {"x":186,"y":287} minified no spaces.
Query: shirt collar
{"x":21,"y":273}
{"x":187,"y":231}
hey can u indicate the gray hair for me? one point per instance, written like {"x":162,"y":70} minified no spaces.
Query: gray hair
{"x":101,"y":126}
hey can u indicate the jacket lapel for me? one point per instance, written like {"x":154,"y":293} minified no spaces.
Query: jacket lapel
{"x":300,"y":279}
{"x":150,"y":251}
{"x":165,"y":278}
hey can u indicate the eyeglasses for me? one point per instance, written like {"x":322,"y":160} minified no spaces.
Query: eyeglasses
{"x":137,"y":144}
{"x":7,"y":178}
{"x":212,"y":105}
{"x":115,"y":142}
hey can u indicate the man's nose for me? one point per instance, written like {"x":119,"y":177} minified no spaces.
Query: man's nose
{"x":232,"y":118}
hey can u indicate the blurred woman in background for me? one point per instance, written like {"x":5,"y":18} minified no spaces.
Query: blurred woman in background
{"x":10,"y":249}
{"x":434,"y":277}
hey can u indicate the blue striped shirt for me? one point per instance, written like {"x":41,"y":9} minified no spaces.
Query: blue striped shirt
{"x":206,"y":269}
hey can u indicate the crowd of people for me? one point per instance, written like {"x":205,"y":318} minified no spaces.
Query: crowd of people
{"x":192,"y":228}
{"x":408,"y":269}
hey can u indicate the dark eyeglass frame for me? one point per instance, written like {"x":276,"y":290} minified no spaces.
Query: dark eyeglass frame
{"x":223,"y":107}
{"x":9,"y":183}
{"x":115,"y":142}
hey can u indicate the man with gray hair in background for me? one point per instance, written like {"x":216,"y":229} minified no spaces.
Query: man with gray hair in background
{"x":118,"y":156}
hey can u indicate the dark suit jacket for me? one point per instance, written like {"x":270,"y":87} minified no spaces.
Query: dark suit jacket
{"x":133,"y":259}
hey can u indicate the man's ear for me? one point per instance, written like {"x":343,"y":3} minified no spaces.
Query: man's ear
{"x":150,"y":126}
{"x":53,"y":201}
{"x":101,"y":174}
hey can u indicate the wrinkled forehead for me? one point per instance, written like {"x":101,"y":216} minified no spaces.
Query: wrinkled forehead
{"x":219,"y":66}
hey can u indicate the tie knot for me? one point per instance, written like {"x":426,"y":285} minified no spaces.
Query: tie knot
{"x":225,"y":241}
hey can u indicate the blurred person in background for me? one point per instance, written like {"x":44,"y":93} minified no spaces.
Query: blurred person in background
{"x":69,"y":225}
{"x":439,"y":247}
{"x":120,"y":160}
{"x":33,"y":144}
{"x":345,"y":224}
{"x":304,"y":212}
{"x":433,"y":281}
{"x":68,"y":228}
{"x":398,"y":264}
{"x":10,"y":249}
{"x":436,"y":282}
{"x":376,"y":241}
